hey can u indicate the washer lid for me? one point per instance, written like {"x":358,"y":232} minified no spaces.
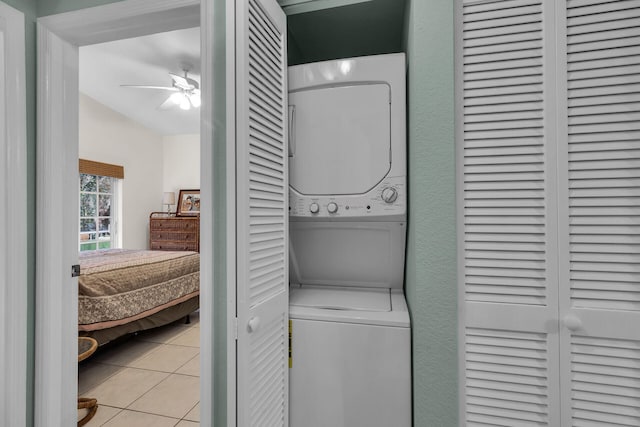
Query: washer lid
{"x":339,"y":139}
{"x":341,"y":298}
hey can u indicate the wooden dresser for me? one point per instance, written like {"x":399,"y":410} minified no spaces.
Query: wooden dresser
{"x":174,"y":233}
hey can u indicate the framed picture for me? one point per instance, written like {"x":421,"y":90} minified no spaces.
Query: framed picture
{"x":188,"y":203}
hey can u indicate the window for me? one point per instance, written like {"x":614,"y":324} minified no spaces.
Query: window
{"x":98,"y":195}
{"x":100,"y":185}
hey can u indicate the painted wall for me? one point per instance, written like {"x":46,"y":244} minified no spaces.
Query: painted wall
{"x":109,"y":137}
{"x":218,"y":412}
{"x":181,"y":163}
{"x":28,"y":8}
{"x":431,"y":245}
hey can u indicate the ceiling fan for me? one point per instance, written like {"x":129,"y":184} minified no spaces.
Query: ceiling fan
{"x":186,"y":92}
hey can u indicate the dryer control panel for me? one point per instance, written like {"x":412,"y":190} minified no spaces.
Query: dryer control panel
{"x":389,"y":198}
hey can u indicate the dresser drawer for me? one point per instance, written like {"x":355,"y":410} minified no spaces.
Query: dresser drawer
{"x":174,"y":246}
{"x":172,"y":224}
{"x":172,"y":233}
{"x":167,"y":235}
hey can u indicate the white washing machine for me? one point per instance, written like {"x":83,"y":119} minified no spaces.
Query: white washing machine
{"x":351,"y":336}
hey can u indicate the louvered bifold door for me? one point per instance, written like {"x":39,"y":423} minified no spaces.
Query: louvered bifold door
{"x":262,"y":214}
{"x":600,"y":206}
{"x":508,"y":219}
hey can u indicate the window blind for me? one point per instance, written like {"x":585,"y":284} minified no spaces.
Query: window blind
{"x":103,"y":169}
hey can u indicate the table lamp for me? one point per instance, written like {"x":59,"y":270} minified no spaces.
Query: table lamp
{"x":169,"y":198}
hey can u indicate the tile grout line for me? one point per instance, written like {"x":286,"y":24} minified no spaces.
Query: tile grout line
{"x":149,"y":413}
{"x":128,"y":408}
{"x":143,"y":394}
{"x":174,"y":372}
{"x":194,"y":407}
{"x":156,"y":347}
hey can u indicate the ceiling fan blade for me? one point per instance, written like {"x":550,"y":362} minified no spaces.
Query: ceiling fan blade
{"x":180,"y":81}
{"x":167,"y":104}
{"x":173,"y":89}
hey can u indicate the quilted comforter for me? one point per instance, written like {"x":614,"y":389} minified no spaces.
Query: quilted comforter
{"x":117,"y":286}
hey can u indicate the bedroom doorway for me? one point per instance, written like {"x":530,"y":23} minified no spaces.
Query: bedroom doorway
{"x":139,"y":150}
{"x":59,"y":39}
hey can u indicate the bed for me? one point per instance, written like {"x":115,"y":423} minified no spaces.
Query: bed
{"x":121,"y":291}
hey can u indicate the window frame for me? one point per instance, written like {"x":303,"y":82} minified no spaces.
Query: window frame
{"x":115,"y":214}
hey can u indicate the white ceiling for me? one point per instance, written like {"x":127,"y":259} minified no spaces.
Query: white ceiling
{"x":143,"y":60}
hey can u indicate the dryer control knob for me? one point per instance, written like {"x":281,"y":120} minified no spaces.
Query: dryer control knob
{"x":314,"y":208}
{"x":332,"y":207}
{"x":389,"y":194}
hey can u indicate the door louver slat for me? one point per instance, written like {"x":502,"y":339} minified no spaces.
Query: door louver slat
{"x":504,"y":144}
{"x":505,"y":206}
{"x":507,"y":378}
{"x":604,"y":150}
{"x":265,"y":378}
{"x":603,"y":98}
{"x":606,"y":384}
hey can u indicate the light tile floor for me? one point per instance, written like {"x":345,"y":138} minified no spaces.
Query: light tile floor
{"x":151,"y":379}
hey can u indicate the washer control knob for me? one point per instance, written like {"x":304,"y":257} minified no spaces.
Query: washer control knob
{"x":332,"y":207}
{"x":389,"y":195}
{"x":314,"y":208}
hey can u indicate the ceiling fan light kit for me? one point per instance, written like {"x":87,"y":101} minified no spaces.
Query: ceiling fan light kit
{"x":195,"y":100}
{"x":182,"y":100}
{"x":185,"y":104}
{"x":186,"y":92}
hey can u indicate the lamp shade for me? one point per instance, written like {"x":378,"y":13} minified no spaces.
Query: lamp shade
{"x":169,"y":198}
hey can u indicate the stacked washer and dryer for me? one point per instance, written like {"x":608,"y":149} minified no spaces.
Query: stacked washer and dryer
{"x":351,"y":338}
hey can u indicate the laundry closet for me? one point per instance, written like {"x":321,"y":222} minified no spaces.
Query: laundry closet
{"x":344,"y":174}
{"x":349,"y":327}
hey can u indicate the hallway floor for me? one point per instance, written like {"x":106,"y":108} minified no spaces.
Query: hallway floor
{"x":151,"y":379}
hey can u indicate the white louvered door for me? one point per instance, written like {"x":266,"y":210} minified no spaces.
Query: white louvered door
{"x":508,"y":218}
{"x":600,"y":206}
{"x":549,"y":159}
{"x":262,"y":215}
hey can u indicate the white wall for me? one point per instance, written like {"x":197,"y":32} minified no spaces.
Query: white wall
{"x":181,"y":163}
{"x":109,"y":137}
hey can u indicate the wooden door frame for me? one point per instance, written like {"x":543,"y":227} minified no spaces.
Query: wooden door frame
{"x":59,"y":37}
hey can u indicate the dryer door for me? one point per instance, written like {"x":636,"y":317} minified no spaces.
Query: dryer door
{"x":340,"y":139}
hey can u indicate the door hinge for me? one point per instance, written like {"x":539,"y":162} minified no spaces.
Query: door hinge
{"x":235,"y":328}
{"x":75,"y":270}
{"x":290,"y":344}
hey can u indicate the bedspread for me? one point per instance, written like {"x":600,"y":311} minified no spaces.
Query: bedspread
{"x":117,"y":286}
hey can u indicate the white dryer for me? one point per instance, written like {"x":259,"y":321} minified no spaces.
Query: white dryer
{"x":351,"y":337}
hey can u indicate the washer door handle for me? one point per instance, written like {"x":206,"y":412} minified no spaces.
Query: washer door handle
{"x":292,"y":130}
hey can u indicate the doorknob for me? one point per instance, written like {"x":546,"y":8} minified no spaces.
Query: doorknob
{"x":572,"y":322}
{"x":253,"y":324}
